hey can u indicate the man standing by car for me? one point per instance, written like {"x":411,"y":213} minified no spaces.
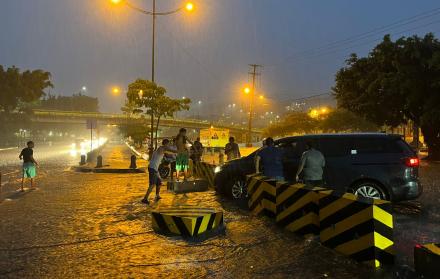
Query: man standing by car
{"x":271,"y":158}
{"x":312,"y":164}
{"x":232,"y":150}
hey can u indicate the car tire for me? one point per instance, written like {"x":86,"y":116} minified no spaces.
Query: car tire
{"x":236,"y":188}
{"x":370,"y":189}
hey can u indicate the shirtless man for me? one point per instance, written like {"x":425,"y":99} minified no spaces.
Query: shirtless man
{"x":182,"y":159}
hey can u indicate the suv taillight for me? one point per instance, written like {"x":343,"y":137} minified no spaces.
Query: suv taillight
{"x":412,"y":162}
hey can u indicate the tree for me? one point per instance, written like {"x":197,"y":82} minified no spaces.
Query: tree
{"x":293,"y":123}
{"x":342,"y":120}
{"x":398,"y":81}
{"x":150,"y":99}
{"x":166,"y":107}
{"x":19,"y":88}
{"x":144,"y":94}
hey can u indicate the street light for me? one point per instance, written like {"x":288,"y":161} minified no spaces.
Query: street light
{"x":247,"y":90}
{"x":116,"y":91}
{"x":189,"y":7}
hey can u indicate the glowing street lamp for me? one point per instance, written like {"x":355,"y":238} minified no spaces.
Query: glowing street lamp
{"x":261,"y":97}
{"x":116,"y":91}
{"x":247,"y":90}
{"x":189,"y":7}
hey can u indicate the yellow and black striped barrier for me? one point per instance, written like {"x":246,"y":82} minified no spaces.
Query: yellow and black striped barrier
{"x":186,"y":221}
{"x":205,"y":171}
{"x":297,"y":208}
{"x":427,"y":260}
{"x":262,"y":192}
{"x":357,"y":227}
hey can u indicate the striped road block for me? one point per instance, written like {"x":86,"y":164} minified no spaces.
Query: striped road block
{"x":357,"y":227}
{"x":186,"y":221}
{"x":297,"y":208}
{"x":205,"y":171}
{"x":262,"y":192}
{"x":427,"y":260}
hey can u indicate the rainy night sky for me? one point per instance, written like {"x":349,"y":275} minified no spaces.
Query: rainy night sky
{"x":202,"y":55}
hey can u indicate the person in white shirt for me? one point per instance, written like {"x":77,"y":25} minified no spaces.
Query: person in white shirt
{"x":153,"y":170}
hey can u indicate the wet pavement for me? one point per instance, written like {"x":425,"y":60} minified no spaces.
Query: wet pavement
{"x":83,"y":225}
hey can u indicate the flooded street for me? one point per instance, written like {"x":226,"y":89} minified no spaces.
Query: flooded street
{"x":93,"y":225}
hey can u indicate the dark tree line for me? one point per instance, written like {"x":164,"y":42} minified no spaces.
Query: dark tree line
{"x":19,"y":89}
{"x":339,"y":120}
{"x":398,"y":81}
{"x":76,"y":102}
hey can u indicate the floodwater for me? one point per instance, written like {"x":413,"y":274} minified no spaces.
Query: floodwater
{"x":83,"y":225}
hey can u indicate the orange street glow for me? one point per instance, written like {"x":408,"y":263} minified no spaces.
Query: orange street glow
{"x":189,"y":7}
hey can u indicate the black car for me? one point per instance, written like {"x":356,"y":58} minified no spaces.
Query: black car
{"x":375,"y":165}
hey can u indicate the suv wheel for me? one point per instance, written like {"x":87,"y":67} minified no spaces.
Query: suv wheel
{"x":238,"y":189}
{"x":369,"y":190}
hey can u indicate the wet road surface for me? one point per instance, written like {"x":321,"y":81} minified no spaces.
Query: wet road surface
{"x":84,"y":225}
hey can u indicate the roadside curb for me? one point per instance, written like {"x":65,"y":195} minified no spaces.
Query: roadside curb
{"x":137,"y":153}
{"x":107,"y":170}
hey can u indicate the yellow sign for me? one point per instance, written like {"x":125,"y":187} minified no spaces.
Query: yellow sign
{"x":214,"y":137}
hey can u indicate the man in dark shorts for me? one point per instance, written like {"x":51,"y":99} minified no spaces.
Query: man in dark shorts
{"x":29,"y":164}
{"x":153,"y":170}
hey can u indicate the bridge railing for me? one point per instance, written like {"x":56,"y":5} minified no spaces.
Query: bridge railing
{"x":120,"y":117}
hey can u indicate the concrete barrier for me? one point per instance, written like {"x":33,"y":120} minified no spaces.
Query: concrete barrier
{"x":297,"y":208}
{"x":427,"y":260}
{"x":357,"y":227}
{"x":262,"y":192}
{"x":186,"y":221}
{"x":188,"y":186}
{"x":204,"y":171}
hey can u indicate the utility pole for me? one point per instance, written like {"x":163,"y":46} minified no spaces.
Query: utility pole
{"x":254,"y":73}
{"x":153,"y":46}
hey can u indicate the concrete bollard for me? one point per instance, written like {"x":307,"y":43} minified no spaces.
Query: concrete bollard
{"x":83,"y":160}
{"x":133,"y":162}
{"x":99,"y":161}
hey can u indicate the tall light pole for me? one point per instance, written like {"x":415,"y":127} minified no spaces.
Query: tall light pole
{"x":153,"y":42}
{"x":188,"y":7}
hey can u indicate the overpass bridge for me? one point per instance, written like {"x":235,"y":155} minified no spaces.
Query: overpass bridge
{"x":76,"y":117}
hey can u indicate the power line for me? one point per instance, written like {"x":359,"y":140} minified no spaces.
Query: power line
{"x":365,"y":35}
{"x":362,"y":44}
